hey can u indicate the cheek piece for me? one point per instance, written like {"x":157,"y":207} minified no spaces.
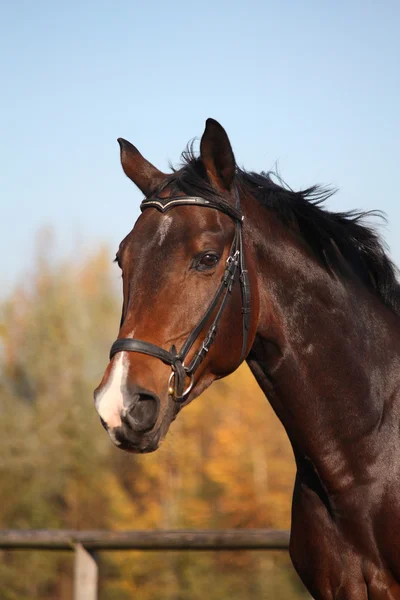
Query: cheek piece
{"x":235,"y":265}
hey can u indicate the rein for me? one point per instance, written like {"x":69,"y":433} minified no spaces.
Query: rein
{"x":234,"y":263}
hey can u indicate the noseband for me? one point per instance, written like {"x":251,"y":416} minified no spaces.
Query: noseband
{"x":234,"y":264}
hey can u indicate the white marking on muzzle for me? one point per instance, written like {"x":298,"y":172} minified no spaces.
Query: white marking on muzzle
{"x":110,"y":401}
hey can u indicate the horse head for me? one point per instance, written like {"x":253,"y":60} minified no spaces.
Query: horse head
{"x":187,"y":317}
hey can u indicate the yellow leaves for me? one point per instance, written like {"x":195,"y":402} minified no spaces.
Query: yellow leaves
{"x":121,"y":511}
{"x":246,"y":459}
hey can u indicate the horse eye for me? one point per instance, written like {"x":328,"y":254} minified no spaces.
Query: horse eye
{"x":208,"y":261}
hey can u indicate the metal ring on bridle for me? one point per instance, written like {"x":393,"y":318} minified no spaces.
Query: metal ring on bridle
{"x":171,"y":388}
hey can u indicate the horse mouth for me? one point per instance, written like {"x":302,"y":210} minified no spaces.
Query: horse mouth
{"x":137,"y":450}
{"x":126,"y":440}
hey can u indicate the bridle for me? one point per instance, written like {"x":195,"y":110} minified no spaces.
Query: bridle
{"x":234,"y":263}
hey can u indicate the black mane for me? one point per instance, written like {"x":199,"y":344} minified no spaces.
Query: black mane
{"x":324,"y":231}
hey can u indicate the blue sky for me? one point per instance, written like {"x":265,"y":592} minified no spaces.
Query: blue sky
{"x":312,"y":85}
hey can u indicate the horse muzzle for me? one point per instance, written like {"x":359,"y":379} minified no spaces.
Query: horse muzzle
{"x":132,"y":424}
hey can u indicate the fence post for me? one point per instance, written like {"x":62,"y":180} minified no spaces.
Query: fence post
{"x":85,"y":574}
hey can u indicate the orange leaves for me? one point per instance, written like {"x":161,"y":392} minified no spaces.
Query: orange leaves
{"x":245,"y":437}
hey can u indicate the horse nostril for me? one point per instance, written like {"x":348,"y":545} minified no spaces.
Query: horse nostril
{"x":143,"y":414}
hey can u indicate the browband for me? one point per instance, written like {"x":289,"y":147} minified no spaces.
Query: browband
{"x":165,"y":204}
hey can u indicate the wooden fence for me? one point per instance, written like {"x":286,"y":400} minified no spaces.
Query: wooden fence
{"x":85,"y":543}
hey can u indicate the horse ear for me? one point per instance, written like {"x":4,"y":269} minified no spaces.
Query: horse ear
{"x":138,"y":169}
{"x":217,"y":155}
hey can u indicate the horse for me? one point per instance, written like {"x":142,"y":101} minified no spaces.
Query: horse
{"x":225,"y":265}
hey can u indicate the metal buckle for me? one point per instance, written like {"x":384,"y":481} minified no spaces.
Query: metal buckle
{"x":233,"y":258}
{"x":171,"y":388}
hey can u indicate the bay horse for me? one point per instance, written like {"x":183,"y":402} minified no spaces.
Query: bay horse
{"x":225,"y":265}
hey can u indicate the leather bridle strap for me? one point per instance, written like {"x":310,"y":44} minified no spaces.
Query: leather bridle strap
{"x":234,"y":262}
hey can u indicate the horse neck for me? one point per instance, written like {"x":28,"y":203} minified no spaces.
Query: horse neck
{"x":326,"y":352}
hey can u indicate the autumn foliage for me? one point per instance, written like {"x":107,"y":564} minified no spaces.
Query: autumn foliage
{"x":226,"y":461}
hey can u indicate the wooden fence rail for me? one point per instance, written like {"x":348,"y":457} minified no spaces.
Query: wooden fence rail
{"x":84,"y":543}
